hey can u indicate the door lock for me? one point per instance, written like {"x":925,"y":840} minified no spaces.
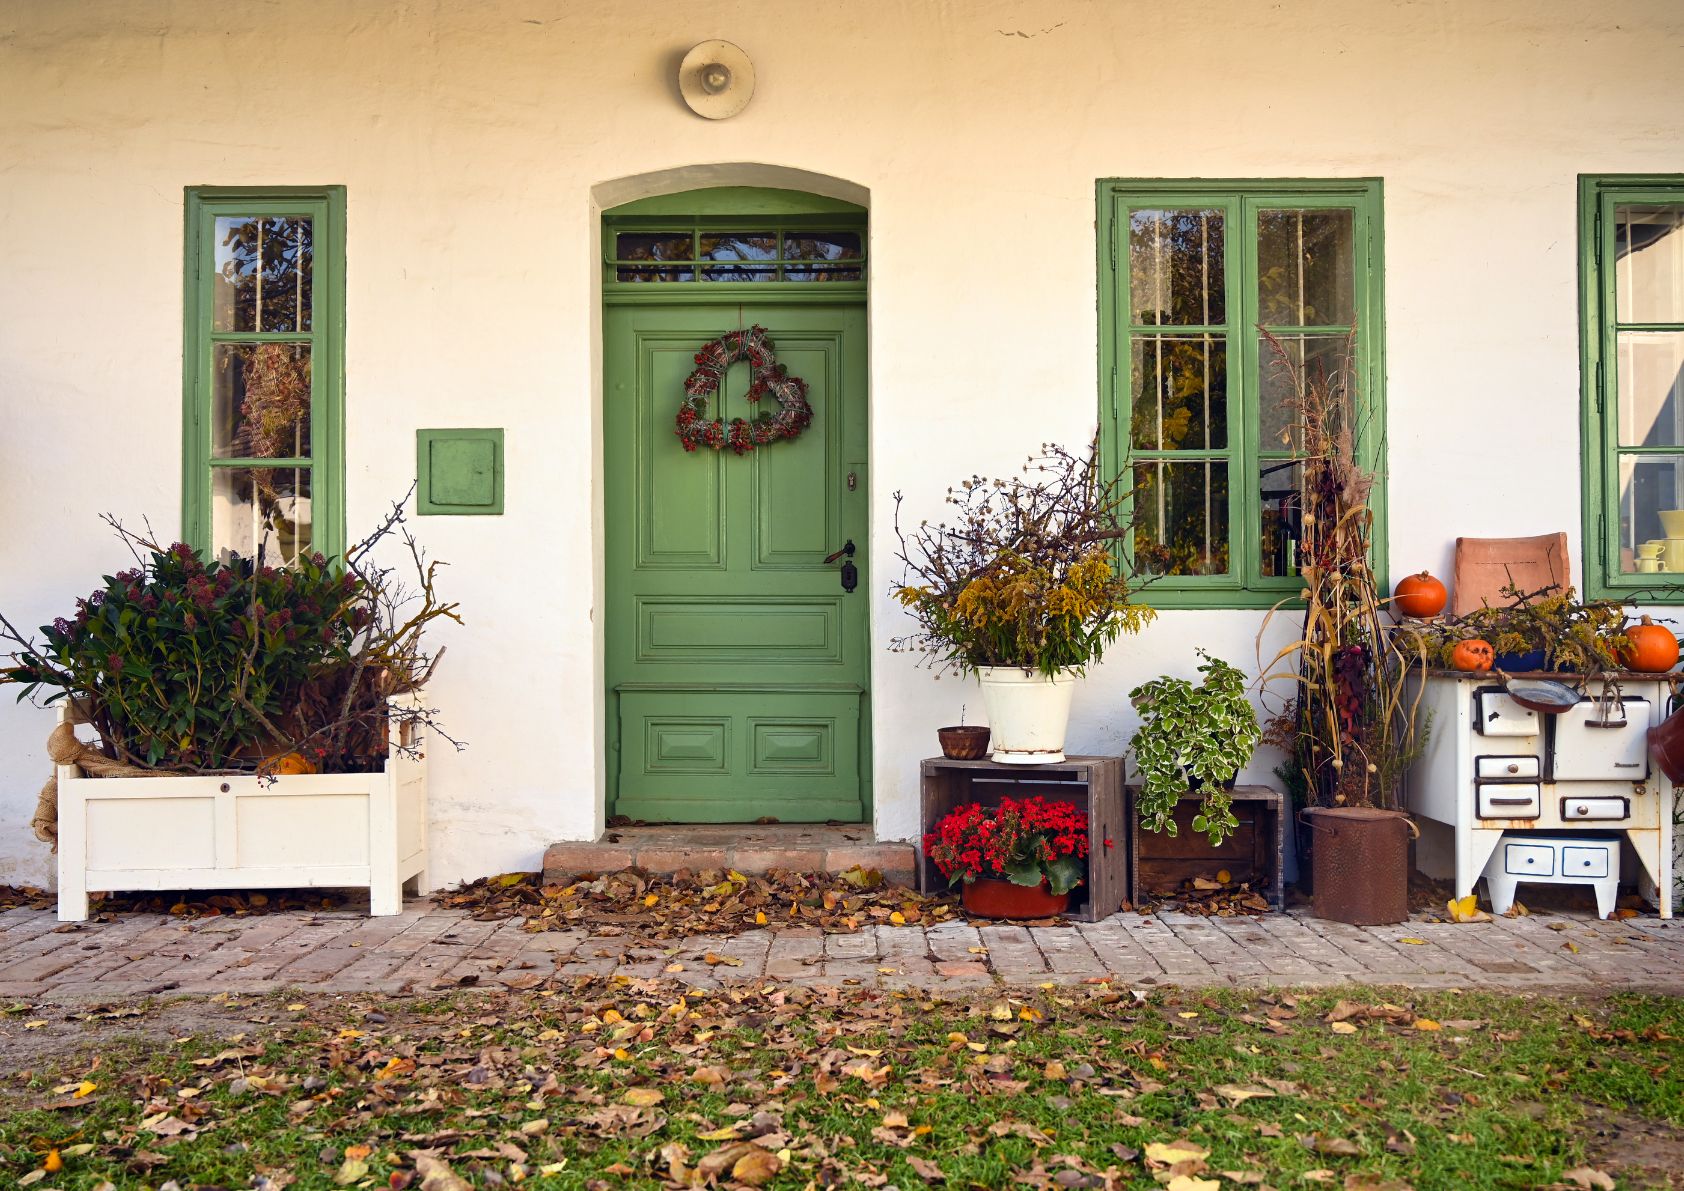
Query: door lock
{"x":850,"y":573}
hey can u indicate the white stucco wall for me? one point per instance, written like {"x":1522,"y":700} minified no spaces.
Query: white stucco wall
{"x":471,"y":136}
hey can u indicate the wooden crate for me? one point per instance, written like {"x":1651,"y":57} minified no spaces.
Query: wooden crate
{"x":1161,"y":863}
{"x":1093,"y":784}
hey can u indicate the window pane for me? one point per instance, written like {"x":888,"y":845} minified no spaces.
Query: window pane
{"x":1175,"y":267}
{"x":264,"y":508}
{"x":1649,"y":263}
{"x":1306,"y":268}
{"x":654,"y":246}
{"x":1313,"y":357}
{"x":262,"y":263}
{"x":1183,"y":517}
{"x":260,"y":400}
{"x":1649,"y":486}
{"x":830,"y":252}
{"x":1651,"y":388}
{"x":1179,"y":392}
{"x":1279,"y":483}
{"x":740,"y":246}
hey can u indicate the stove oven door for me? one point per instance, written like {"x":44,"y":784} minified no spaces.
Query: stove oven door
{"x":1597,"y":741}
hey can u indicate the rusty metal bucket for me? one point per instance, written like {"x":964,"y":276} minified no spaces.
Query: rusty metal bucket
{"x":1666,"y":745}
{"x":1360,"y":863}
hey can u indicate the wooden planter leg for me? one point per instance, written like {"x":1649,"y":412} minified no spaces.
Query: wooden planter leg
{"x":72,"y":850}
{"x":385,"y":887}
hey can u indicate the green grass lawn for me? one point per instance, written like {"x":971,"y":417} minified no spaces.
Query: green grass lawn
{"x":614,"y":1083}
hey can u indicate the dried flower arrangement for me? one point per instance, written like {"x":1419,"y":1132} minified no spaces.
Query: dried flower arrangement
{"x":1351,"y":729}
{"x":1027,"y":576}
{"x":1579,"y":638}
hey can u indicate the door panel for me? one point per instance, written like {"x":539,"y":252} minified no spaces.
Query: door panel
{"x":736,"y":663}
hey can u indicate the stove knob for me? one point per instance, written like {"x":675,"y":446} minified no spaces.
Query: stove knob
{"x":1581,"y":809}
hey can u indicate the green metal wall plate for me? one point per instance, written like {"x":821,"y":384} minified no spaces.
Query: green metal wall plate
{"x":459,"y":472}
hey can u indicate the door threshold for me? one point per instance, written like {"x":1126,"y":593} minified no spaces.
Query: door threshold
{"x":751,"y":848}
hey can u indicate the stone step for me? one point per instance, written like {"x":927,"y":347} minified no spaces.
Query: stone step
{"x":748,"y":848}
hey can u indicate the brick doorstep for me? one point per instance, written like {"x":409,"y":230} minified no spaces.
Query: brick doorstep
{"x":753,"y":849}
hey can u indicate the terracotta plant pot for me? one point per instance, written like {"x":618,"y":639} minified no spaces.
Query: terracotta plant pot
{"x":1361,"y":864}
{"x":967,"y":742}
{"x":988,"y":898}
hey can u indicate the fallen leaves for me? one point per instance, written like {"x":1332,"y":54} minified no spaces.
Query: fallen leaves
{"x":1218,"y":898}
{"x":1466,"y":909}
{"x":709,"y":902}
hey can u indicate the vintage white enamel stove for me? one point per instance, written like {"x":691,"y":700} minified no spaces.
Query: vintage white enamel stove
{"x":1492,"y":767}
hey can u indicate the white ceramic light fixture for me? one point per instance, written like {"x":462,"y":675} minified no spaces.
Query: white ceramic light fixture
{"x":716,"y":79}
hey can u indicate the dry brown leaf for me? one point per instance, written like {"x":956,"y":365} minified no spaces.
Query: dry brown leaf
{"x":1169,"y":1153}
{"x":925,"y":1169}
{"x":435,"y":1173}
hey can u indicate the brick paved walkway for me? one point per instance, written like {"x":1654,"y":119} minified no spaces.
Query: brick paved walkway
{"x":426,"y":947}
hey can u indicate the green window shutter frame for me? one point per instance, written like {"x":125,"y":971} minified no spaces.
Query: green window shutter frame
{"x":1599,"y":194}
{"x":459,"y":472}
{"x":1244,"y":586}
{"x":325,"y":205}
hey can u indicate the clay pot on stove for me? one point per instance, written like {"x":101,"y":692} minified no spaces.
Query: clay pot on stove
{"x":988,"y":898}
{"x":964,"y":742}
{"x":1360,"y":863}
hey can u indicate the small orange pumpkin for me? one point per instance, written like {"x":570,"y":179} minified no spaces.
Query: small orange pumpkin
{"x":291,"y":763}
{"x":1653,"y":649}
{"x":1419,"y":596}
{"x":1474,"y":656}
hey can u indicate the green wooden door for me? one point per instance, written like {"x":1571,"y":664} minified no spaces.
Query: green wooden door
{"x":736,"y":663}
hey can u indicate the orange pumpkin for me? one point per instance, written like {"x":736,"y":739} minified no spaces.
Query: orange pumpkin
{"x":1652,"y":649}
{"x":1419,"y":596}
{"x":291,"y":763}
{"x":1474,"y":656}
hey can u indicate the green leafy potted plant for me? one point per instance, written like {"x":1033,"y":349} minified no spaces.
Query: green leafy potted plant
{"x":1019,"y":859}
{"x":1193,"y":739}
{"x":1024,"y":591}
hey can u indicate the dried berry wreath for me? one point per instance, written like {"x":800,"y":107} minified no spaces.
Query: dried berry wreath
{"x":766,"y":376}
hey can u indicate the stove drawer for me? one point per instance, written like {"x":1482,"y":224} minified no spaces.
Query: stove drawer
{"x":1595,"y":808}
{"x":1509,"y":800}
{"x":1495,"y":714}
{"x":1506,"y":768}
{"x":1529,"y":860}
{"x":1587,"y":862}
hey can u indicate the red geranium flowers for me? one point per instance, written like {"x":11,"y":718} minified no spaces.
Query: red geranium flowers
{"x":1025,"y":841}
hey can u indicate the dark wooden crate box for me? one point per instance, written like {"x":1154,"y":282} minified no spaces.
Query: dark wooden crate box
{"x":1161,"y":863}
{"x":1092,"y":784}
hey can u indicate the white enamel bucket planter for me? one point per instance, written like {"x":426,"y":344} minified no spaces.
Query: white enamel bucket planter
{"x":321,"y":830}
{"x":1027,"y":713}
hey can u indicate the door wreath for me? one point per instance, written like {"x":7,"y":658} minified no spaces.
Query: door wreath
{"x":766,"y":376}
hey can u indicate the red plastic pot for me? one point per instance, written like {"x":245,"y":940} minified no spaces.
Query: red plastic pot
{"x":988,"y":898}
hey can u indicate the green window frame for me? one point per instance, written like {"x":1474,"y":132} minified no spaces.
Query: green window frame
{"x":255,"y":466}
{"x":1240,"y":572}
{"x":1630,"y":471}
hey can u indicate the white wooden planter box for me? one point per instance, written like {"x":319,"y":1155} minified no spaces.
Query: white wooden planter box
{"x":327,"y":830}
